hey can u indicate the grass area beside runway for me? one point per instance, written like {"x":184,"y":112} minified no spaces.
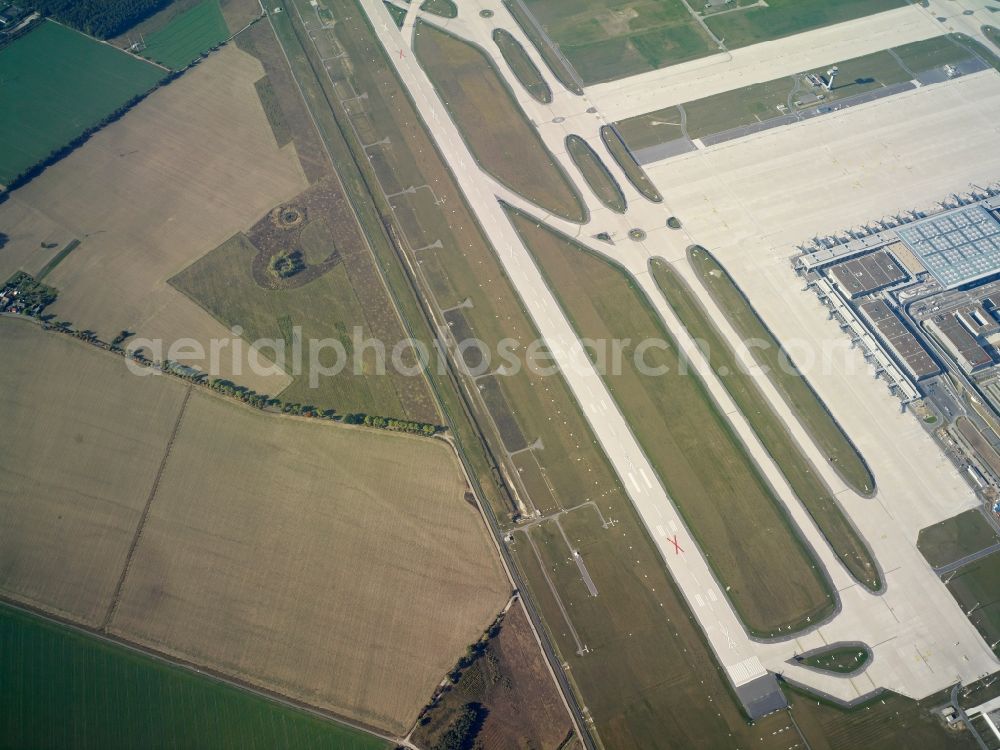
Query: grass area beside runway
{"x":398,"y":14}
{"x":651,"y":129}
{"x":57,"y":83}
{"x":492,"y":122}
{"x":521,"y":66}
{"x":551,"y":56}
{"x":805,"y":482}
{"x":770,"y":99}
{"x":976,"y":588}
{"x":840,"y":659}
{"x":768,"y":572}
{"x":992,"y":33}
{"x":187,"y":36}
{"x":443,"y":8}
{"x":66,"y":688}
{"x":781,"y":18}
{"x":596,"y":173}
{"x":635,"y":173}
{"x":956,"y":537}
{"x":770,"y":355}
{"x":605,"y":40}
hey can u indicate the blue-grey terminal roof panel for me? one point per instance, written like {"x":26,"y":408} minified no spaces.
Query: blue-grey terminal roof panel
{"x":958,"y":246}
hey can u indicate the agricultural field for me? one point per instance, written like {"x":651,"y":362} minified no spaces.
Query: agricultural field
{"x":605,"y":40}
{"x":521,"y":66}
{"x":763,"y":101}
{"x":812,"y":412}
{"x":769,"y":574}
{"x":802,"y":477}
{"x":596,"y":174}
{"x":975,"y":588}
{"x":493,"y":124}
{"x":189,"y":555}
{"x":187,"y":36}
{"x":956,"y":537}
{"x":64,"y":688}
{"x":511,"y":689}
{"x":57,"y":84}
{"x":63,"y":550}
{"x":183,"y":172}
{"x":780,"y":18}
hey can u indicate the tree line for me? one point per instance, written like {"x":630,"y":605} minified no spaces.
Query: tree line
{"x":101,"y":18}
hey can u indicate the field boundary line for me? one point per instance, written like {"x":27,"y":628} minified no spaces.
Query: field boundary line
{"x":116,"y":598}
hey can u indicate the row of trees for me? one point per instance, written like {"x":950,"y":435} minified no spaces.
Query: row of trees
{"x":246,"y":395}
{"x":388,"y":423}
{"x":101,"y":18}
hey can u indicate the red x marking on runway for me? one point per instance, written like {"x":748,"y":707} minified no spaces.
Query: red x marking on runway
{"x":677,"y":547}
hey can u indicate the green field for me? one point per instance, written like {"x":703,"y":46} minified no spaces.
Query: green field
{"x":594,"y":171}
{"x":842,"y":659}
{"x":976,"y":588}
{"x":635,"y":173}
{"x":770,"y":99}
{"x":745,"y":533}
{"x":57,"y":83}
{"x":605,"y":40}
{"x":443,"y":8}
{"x":521,"y":66}
{"x":187,"y":36}
{"x":804,"y":401}
{"x":493,"y":124}
{"x":64,"y":688}
{"x":956,"y":537}
{"x":786,"y":17}
{"x":807,"y":485}
{"x":552,"y":59}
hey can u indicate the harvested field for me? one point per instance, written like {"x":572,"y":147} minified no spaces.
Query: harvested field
{"x":754,"y":548}
{"x":90,"y":439}
{"x":495,"y":127}
{"x":521,"y":66}
{"x":635,"y":173}
{"x":509,"y":679}
{"x":594,"y":171}
{"x":247,"y":559}
{"x":953,"y":539}
{"x":180,"y":174}
{"x":64,"y":688}
{"x":57,"y":83}
{"x":802,"y":476}
{"x":805,"y":402}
